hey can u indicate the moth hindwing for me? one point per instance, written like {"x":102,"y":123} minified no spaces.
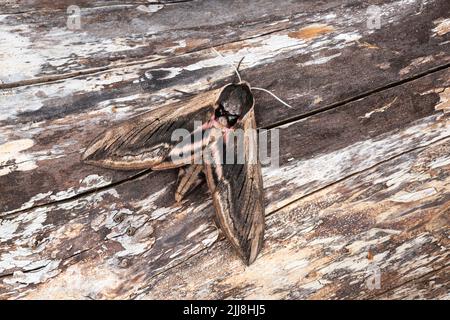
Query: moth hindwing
{"x":146,"y":141}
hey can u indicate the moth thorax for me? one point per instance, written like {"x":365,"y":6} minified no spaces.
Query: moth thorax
{"x":233,"y":103}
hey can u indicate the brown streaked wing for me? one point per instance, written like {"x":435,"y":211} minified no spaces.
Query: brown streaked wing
{"x":145,"y":140}
{"x":237,"y":193}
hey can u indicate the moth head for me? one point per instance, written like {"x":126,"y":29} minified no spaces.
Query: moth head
{"x":233,"y":103}
{"x":236,"y":70}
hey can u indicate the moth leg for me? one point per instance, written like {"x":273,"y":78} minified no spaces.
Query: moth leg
{"x":189,"y":179}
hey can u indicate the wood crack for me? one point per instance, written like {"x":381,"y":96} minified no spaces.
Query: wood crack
{"x":360,"y":178}
{"x":314,"y":112}
{"x":317,"y":191}
{"x":93,"y":71}
{"x":11,"y":274}
{"x":282,"y":123}
{"x":145,"y":172}
{"x":358,"y":97}
{"x":359,"y":172}
{"x":79,"y":195}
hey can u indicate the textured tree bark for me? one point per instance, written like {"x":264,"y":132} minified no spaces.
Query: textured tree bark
{"x":358,"y":208}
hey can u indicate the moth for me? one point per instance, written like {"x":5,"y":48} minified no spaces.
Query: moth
{"x":146,"y":141}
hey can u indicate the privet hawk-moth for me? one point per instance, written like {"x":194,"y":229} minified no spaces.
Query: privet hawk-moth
{"x":145,"y":141}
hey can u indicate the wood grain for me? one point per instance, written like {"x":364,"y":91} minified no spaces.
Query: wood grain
{"x":46,"y":125}
{"x":363,"y":179}
{"x":115,"y":33}
{"x":124,"y":246}
{"x":326,"y":245}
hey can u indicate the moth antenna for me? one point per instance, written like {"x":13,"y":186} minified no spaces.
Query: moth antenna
{"x":184,"y":92}
{"x":239,"y":64}
{"x":240,"y":79}
{"x":225,"y":60}
{"x":273,"y":95}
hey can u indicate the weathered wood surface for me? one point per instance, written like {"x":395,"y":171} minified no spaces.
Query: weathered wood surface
{"x":363,"y":177}
{"x":53,"y":120}
{"x":113,"y":35}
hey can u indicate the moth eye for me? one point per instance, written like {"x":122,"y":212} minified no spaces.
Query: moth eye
{"x":219,"y":111}
{"x":232,"y":119}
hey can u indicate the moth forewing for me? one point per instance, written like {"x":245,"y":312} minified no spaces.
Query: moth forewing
{"x":235,"y":147}
{"x":237,"y":196}
{"x":145,"y":141}
{"x":251,"y":141}
{"x":257,"y":224}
